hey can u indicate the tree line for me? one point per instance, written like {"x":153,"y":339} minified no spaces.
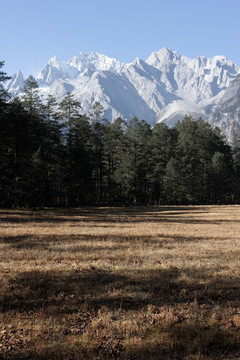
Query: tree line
{"x":47,"y":146}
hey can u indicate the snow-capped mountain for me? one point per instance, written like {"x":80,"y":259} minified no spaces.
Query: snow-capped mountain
{"x":16,"y":84}
{"x":55,"y":70}
{"x":95,"y":62}
{"x":165,"y":87}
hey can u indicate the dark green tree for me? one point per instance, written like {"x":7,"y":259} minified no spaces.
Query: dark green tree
{"x":196,"y":146}
{"x":53,"y":148}
{"x":6,"y":150}
{"x":97,"y":159}
{"x":77,"y":166}
{"x":78,"y":182}
{"x":33,"y":105}
{"x":163,"y":143}
{"x":113,"y":153}
{"x":96,"y":111}
{"x":4,"y":96}
{"x":18,"y":123}
{"x":136,"y":185}
{"x":173,"y":183}
{"x":236,"y":165}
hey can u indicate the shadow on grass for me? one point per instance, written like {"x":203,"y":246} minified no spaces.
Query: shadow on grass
{"x":106,"y":242}
{"x":65,"y":292}
{"x":111,"y":216}
{"x":188,"y":341}
{"x":191,"y":341}
{"x":60,"y":294}
{"x":54,"y":292}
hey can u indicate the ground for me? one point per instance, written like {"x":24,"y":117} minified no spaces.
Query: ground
{"x":120,"y":283}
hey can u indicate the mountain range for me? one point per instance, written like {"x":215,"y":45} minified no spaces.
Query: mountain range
{"x":165,"y":87}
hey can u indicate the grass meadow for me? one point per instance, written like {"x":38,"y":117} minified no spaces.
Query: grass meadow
{"x":120,"y":283}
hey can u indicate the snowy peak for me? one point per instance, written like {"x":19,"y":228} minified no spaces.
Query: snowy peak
{"x":200,"y":78}
{"x":51,"y":72}
{"x":16,"y":84}
{"x":93,"y":62}
{"x":55,"y":63}
{"x":96,"y":62}
{"x":163,"y":57}
{"x":55,"y":70}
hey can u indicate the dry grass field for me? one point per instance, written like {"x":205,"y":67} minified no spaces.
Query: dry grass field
{"x":120,"y":283}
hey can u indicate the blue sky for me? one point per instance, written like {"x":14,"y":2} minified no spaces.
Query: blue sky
{"x":33,"y":31}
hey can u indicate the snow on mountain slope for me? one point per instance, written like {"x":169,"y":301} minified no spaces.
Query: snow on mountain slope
{"x":199,"y":78}
{"x":165,"y":87}
{"x":16,"y":84}
{"x":96,"y":62}
{"x":147,"y":81}
{"x":227,"y":113}
{"x":55,"y":70}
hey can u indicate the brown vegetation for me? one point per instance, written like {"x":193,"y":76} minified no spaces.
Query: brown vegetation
{"x":120,"y":283}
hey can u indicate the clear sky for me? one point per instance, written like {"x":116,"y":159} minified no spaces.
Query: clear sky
{"x":33,"y":31}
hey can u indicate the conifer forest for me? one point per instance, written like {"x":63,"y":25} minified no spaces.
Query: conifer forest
{"x":48,"y":147}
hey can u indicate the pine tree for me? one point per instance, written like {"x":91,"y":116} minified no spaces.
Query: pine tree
{"x":136,"y":161}
{"x":4,"y":96}
{"x":96,"y":111}
{"x":236,"y":165}
{"x":69,"y":111}
{"x":97,"y":144}
{"x":172,"y":183}
{"x":78,"y":184}
{"x":19,"y":122}
{"x":77,"y":166}
{"x":52,"y":148}
{"x":112,"y":159}
{"x":6,"y":151}
{"x":36,"y":133}
{"x":163,"y":142}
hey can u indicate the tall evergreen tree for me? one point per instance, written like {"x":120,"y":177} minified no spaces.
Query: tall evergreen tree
{"x":97,"y":145}
{"x":112,"y":159}
{"x":6,"y":151}
{"x":163,"y":143}
{"x":96,"y":112}
{"x":36,"y":133}
{"x":19,"y":123}
{"x":173,"y":182}
{"x":78,"y":184}
{"x":236,"y":165}
{"x":77,"y":161}
{"x":52,"y":148}
{"x":136,"y":162}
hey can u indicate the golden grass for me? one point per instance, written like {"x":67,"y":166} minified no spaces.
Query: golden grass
{"x":120,"y":283}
